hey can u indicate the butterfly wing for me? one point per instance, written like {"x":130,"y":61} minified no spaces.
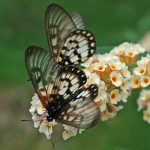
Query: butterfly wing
{"x":70,"y":80}
{"x":43,"y":71}
{"x":67,"y":44}
{"x":82,"y":111}
{"x":49,"y":79}
{"x":78,"y":20}
{"x":59,"y":25}
{"x":78,"y":47}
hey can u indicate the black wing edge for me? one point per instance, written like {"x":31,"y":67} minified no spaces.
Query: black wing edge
{"x":82,"y":111}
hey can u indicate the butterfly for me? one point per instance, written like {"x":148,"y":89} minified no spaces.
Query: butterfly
{"x":61,"y":90}
{"x":69,"y":43}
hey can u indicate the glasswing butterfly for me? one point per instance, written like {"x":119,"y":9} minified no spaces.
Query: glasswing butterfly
{"x":58,"y":83}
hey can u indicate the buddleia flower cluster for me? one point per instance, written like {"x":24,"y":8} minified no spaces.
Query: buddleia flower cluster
{"x":144,"y":104}
{"x":39,"y":114}
{"x":117,"y":74}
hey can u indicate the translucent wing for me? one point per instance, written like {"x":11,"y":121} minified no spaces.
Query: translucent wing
{"x":77,"y":48}
{"x":59,"y":25}
{"x":82,"y":111}
{"x":49,"y":79}
{"x":78,"y":20}
{"x":43,"y":71}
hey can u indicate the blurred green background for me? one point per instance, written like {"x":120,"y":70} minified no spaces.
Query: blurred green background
{"x":21,"y":25}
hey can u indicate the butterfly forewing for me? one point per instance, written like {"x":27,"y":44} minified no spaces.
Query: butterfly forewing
{"x":78,"y":20}
{"x":78,"y":47}
{"x":58,"y":26}
{"x":82,"y":111}
{"x":43,"y":71}
{"x":49,"y":79}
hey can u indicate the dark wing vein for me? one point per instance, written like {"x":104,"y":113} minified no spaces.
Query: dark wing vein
{"x":59,"y":25}
{"x":70,"y":80}
{"x":77,"y":48}
{"x":82,"y":111}
{"x":43,"y":71}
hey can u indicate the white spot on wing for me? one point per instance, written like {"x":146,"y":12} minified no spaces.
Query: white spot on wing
{"x":74,"y":87}
{"x":82,"y":49}
{"x":74,"y":81}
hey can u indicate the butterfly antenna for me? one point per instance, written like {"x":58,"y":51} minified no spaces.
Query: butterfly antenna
{"x":53,"y":144}
{"x":26,"y":120}
{"x":30,"y":120}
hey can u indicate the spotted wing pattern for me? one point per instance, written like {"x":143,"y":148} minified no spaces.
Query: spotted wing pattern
{"x":68,"y":42}
{"x":59,"y":25}
{"x":71,"y":79}
{"x":82,"y":111}
{"x":61,"y":90}
{"x":77,"y":48}
{"x":48,"y":78}
{"x":43,"y":71}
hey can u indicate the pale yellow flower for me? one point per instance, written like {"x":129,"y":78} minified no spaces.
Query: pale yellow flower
{"x":135,"y":83}
{"x":145,"y":81}
{"x":36,"y":105}
{"x":144,"y":99}
{"x":102,"y":104}
{"x":143,"y":61}
{"x":99,"y":66}
{"x":108,"y":116}
{"x":126,"y":73}
{"x":140,"y":70}
{"x":131,"y":52}
{"x":116,"y":78}
{"x":146,"y":116}
{"x":115,"y":96}
{"x":125,"y":85}
{"x":124,"y":96}
{"x":88,"y":62}
{"x":46,"y":128}
{"x":115,"y":65}
{"x":69,"y":132}
{"x":36,"y":120}
{"x":101,"y":95}
{"x":92,"y":78}
{"x":119,"y":50}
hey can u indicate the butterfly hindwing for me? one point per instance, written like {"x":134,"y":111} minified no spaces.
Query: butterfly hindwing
{"x":78,"y":47}
{"x":71,"y":79}
{"x":82,"y":111}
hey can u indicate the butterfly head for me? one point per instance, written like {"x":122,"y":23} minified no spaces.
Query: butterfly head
{"x":49,"y":118}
